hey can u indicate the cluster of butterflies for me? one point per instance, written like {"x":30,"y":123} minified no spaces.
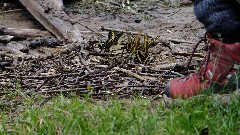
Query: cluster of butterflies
{"x":135,"y":45}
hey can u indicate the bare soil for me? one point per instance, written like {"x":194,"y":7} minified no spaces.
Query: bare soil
{"x":150,"y":17}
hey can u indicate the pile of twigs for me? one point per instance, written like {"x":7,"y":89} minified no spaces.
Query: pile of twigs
{"x":85,"y":71}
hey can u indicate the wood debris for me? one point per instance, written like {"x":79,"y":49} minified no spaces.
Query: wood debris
{"x":54,"y":19}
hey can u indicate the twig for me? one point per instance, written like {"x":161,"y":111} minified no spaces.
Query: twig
{"x":43,"y":77}
{"x":130,"y":73}
{"x":89,"y":32}
{"x":64,"y":91}
{"x":96,"y":71}
{"x":36,"y":77}
{"x":151,"y":86}
{"x":189,"y":54}
{"x":149,"y":74}
{"x":158,"y":95}
{"x":24,"y":33}
{"x":11,"y":11}
{"x":187,"y":3}
{"x":83,"y":61}
{"x":44,"y":82}
{"x":178,"y":40}
{"x":176,"y":73}
{"x":44,"y":101}
{"x":101,"y":54}
{"x":166,"y":66}
{"x":78,"y":22}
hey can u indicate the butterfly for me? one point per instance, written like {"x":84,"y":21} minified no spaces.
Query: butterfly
{"x":114,"y":38}
{"x":142,"y":53}
{"x":133,"y":43}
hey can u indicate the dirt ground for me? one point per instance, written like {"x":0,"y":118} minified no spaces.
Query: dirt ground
{"x":177,"y":25}
{"x":152,"y":17}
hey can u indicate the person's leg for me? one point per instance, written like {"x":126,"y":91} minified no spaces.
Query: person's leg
{"x":222,"y":21}
{"x":221,"y":18}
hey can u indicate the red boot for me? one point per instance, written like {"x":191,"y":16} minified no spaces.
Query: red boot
{"x":216,"y":70}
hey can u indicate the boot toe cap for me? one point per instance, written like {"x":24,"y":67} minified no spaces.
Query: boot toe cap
{"x":167,"y":89}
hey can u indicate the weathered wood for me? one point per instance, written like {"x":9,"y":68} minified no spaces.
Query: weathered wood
{"x":5,"y":38}
{"x":58,"y":4}
{"x":54,"y":19}
{"x":24,"y":33}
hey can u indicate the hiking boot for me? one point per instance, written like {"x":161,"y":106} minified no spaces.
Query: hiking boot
{"x":220,"y":69}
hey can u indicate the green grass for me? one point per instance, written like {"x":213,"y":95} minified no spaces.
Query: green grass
{"x":74,"y":115}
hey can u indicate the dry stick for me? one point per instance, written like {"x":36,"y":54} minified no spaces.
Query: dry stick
{"x":44,"y":82}
{"x":42,"y":77}
{"x":72,"y":90}
{"x":152,"y":86}
{"x":24,"y":33}
{"x":161,"y":75}
{"x":187,"y":3}
{"x":44,"y":101}
{"x":75,"y":21}
{"x":78,"y":22}
{"x":83,"y":61}
{"x":90,"y":32}
{"x":159,"y":95}
{"x":114,"y":86}
{"x":96,"y":71}
{"x":69,"y":48}
{"x":166,"y":66}
{"x":11,"y":11}
{"x":59,"y":91}
{"x":136,"y":33}
{"x":176,"y":73}
{"x":130,"y":73}
{"x":189,"y":54}
{"x":101,"y":54}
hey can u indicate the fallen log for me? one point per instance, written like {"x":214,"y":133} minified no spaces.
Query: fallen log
{"x":54,"y":19}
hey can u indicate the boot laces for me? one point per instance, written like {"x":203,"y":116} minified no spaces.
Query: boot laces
{"x":206,"y":58}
